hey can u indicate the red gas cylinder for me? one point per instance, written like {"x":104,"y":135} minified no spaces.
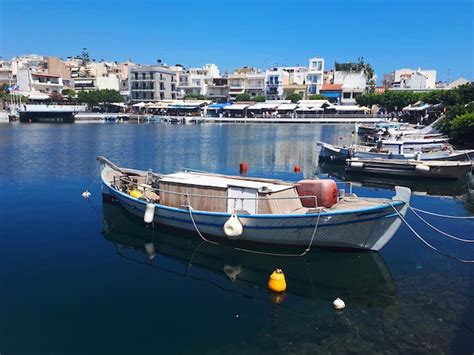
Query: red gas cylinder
{"x":325,"y":190}
{"x":297,"y":168}
{"x":243,"y":168}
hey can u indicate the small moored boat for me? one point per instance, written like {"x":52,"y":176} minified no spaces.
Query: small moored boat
{"x":308,"y":213}
{"x":410,"y":168}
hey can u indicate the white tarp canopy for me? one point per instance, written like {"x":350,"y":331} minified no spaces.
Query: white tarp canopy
{"x":32,"y":95}
{"x":119,"y":104}
{"x":264,"y":106}
{"x":140,"y":104}
{"x":237,"y":107}
{"x":350,"y":108}
{"x":417,"y":106}
{"x":287,"y":107}
{"x":308,"y":109}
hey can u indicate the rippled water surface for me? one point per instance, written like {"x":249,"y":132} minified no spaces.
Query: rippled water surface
{"x":76,"y":277}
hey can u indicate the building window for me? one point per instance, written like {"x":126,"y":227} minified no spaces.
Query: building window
{"x":162,"y":95}
{"x":173,"y":87}
{"x":346,"y":95}
{"x":152,"y":95}
{"x":162,"y":86}
{"x":143,"y":76}
{"x":161,"y":76}
{"x":151,"y":75}
{"x":136,"y":76}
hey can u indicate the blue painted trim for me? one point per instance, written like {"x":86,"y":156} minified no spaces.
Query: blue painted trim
{"x":310,"y":226}
{"x":263,"y":216}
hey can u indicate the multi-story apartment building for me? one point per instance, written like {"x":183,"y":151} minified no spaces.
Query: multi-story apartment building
{"x":246,"y":80}
{"x":29,"y":80}
{"x":196,"y":80}
{"x":152,"y":83}
{"x":218,"y":90}
{"x":275,"y":80}
{"x":410,"y":79}
{"x":315,"y":75}
{"x":6,"y":73}
{"x":353,"y":80}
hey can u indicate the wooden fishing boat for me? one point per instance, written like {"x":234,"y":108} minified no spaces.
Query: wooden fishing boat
{"x":341,"y":153}
{"x":410,"y":168}
{"x":256,"y":210}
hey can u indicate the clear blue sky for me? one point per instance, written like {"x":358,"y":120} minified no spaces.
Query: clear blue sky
{"x":389,"y":34}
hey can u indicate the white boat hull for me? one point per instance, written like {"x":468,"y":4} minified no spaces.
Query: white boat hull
{"x":367,"y":228}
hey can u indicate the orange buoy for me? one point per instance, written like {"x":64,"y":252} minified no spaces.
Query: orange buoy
{"x":243,"y":168}
{"x":277,"y":282}
{"x":297,"y":168}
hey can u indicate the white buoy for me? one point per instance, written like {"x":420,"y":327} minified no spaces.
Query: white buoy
{"x":86,"y":194}
{"x":338,"y":304}
{"x":149,"y":213}
{"x":233,"y":228}
{"x":150,"y":250}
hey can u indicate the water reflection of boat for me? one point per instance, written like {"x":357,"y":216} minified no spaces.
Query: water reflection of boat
{"x":432,"y":187}
{"x":360,"y":277}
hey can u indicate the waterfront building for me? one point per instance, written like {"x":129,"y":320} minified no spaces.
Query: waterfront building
{"x":152,"y":83}
{"x":354,"y":81}
{"x":246,"y":80}
{"x":275,"y":80}
{"x":333,"y":92}
{"x":29,"y":80}
{"x":6,"y":73}
{"x":96,"y":76}
{"x":315,"y":75}
{"x":411,"y":79}
{"x":197,"y":80}
{"x":218,"y":90}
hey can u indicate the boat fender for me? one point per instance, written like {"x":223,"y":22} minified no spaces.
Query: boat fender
{"x":233,"y":228}
{"x":418,"y":156}
{"x":422,"y":168}
{"x":135,"y":193}
{"x":150,"y":250}
{"x":86,"y":194}
{"x":356,"y":165}
{"x":149,"y":213}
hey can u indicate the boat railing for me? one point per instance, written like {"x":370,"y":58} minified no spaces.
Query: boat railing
{"x":187,"y":195}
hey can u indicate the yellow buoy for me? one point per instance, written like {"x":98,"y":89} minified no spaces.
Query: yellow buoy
{"x":136,"y":194}
{"x":277,"y":281}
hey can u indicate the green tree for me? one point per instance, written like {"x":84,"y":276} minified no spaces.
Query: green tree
{"x":317,"y":97}
{"x":69,"y":92}
{"x":56,"y":97}
{"x":243,"y":97}
{"x":85,"y":71}
{"x":462,"y":128}
{"x":194,"y":97}
{"x":260,"y":98}
{"x":294,"y":97}
{"x":368,"y":99}
{"x":95,"y":97}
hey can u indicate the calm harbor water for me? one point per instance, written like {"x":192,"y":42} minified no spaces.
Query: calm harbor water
{"x":76,"y":276}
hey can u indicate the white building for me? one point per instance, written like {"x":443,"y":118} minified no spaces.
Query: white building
{"x":411,"y":79}
{"x":196,"y":80}
{"x":275,"y":80}
{"x":315,"y":75}
{"x":29,"y":80}
{"x":246,"y":80}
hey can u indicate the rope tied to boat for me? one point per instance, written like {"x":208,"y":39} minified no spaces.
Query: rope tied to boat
{"x":439,"y":230}
{"x":307,"y":250}
{"x":423,"y":240}
{"x":441,"y":215}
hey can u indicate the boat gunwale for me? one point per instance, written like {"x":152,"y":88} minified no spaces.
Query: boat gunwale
{"x":372,"y":209}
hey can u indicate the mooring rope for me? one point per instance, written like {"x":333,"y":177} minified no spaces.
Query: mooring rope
{"x":425,"y":242}
{"x":441,"y":215}
{"x":439,"y":230}
{"x":308,"y":248}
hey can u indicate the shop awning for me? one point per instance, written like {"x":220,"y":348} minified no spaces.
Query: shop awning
{"x":263,"y":106}
{"x":236,"y":107}
{"x":218,"y":106}
{"x":286,"y":107}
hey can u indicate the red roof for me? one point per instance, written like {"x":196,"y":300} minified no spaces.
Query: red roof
{"x":331,"y":87}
